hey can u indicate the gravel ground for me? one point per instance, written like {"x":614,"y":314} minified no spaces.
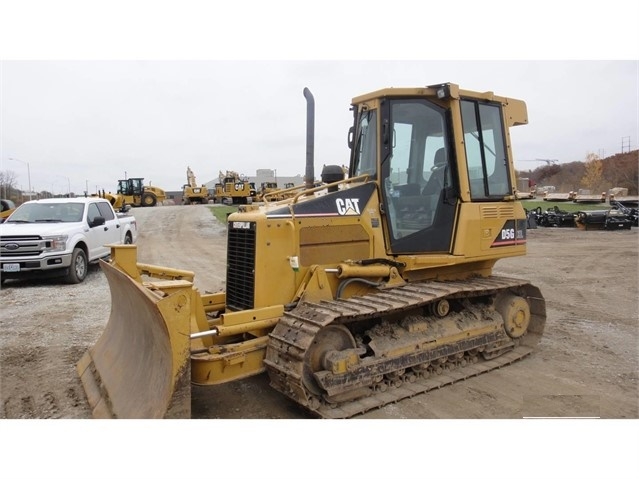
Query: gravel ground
{"x":586,"y":365}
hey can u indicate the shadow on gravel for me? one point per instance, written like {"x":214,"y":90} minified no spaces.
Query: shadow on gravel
{"x":94,"y":270}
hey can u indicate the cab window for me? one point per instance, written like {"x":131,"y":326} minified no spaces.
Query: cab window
{"x":92,"y":212}
{"x":366,"y":145}
{"x":485,"y":150}
{"x":106,"y":211}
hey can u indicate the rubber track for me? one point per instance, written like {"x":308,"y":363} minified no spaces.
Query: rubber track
{"x":421,"y":385}
{"x":295,"y":332}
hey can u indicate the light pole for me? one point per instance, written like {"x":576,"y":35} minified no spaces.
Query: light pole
{"x":28,"y":173}
{"x":68,"y":185}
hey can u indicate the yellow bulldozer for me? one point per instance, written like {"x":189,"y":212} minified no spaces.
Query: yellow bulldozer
{"x":233,"y":189}
{"x":191,"y":192}
{"x":385,"y":286}
{"x":270,"y":191}
{"x":133,"y":192}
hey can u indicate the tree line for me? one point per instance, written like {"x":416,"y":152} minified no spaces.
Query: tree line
{"x":595,"y":174}
{"x":9,"y":189}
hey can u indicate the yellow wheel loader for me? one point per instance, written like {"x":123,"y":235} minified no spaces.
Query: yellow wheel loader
{"x":385,"y":287}
{"x":133,"y":192}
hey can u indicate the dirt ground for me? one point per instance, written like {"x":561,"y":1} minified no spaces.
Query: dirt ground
{"x":586,"y":366}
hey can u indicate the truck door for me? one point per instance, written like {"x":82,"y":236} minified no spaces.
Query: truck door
{"x":99,"y":236}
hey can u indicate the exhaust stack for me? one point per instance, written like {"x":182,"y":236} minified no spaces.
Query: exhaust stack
{"x":309,"y":176}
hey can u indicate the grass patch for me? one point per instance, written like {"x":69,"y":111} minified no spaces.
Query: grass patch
{"x":222,"y":211}
{"x":568,"y":206}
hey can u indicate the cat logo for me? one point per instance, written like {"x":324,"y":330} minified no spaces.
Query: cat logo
{"x":347,"y":206}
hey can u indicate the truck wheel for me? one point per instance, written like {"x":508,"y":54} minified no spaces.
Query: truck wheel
{"x":149,"y":199}
{"x":79,"y":267}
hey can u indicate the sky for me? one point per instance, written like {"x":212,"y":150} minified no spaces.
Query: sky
{"x":72,"y":121}
{"x":86,"y":124}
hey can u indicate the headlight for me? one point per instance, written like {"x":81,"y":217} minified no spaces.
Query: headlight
{"x":55,"y":243}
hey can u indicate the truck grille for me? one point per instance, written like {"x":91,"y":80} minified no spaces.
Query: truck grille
{"x":240,"y":265}
{"x":21,"y":246}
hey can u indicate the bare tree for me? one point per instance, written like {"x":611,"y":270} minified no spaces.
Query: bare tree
{"x":8,"y":183}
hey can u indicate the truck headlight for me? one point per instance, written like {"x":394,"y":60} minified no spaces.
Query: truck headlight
{"x":55,"y":243}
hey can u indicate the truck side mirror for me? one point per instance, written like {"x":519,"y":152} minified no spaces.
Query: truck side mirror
{"x":97,"y":221}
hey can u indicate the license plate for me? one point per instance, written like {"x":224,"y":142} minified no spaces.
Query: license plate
{"x":11,"y":267}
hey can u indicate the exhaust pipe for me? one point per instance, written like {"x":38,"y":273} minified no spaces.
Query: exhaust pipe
{"x":310,"y":139}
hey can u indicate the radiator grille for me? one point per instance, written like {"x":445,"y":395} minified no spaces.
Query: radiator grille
{"x":240,"y":266}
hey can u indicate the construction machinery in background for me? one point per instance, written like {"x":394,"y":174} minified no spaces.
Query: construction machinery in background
{"x":191,"y":192}
{"x":270,"y":191}
{"x":525,"y":188}
{"x":133,"y":192}
{"x":6,"y":208}
{"x":351,"y":295}
{"x":609,"y":219}
{"x":620,"y":195}
{"x":586,"y":196}
{"x":265,"y":188}
{"x":233,"y":189}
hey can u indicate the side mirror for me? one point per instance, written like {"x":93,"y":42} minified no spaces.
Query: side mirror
{"x":97,"y":221}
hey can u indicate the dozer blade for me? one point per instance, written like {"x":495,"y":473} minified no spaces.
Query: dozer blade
{"x":140,"y":366}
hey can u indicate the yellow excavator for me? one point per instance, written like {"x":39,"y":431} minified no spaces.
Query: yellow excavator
{"x":191,"y":192}
{"x":385,"y":287}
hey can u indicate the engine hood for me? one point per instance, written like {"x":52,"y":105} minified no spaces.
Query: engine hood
{"x":40,"y":229}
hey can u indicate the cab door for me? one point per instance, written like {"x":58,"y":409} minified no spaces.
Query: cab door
{"x":417,"y":163}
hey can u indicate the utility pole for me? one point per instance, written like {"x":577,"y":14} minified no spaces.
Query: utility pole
{"x":28,"y":173}
{"x":68,"y":185}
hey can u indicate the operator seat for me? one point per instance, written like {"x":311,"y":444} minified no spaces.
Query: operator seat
{"x":436,"y":181}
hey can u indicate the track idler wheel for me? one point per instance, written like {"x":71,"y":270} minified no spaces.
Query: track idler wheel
{"x":332,"y":338}
{"x":516,"y":314}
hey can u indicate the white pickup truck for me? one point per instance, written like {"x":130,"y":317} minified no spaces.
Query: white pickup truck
{"x":60,"y":237}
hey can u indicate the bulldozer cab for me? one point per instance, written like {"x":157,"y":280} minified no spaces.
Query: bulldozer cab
{"x":407,"y":144}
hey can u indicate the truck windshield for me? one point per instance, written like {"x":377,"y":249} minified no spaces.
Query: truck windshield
{"x":48,"y":212}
